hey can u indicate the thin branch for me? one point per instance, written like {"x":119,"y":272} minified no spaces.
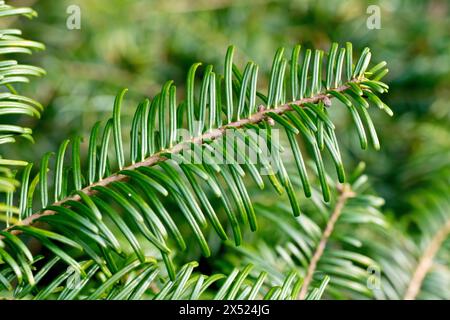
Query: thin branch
{"x":158,"y":157}
{"x":426,"y":262}
{"x":344,"y":194}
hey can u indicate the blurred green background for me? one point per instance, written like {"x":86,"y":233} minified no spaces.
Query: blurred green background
{"x":139,"y":44}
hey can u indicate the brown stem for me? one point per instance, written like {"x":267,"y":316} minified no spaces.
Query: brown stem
{"x":426,"y":262}
{"x":158,"y":157}
{"x":345,"y":193}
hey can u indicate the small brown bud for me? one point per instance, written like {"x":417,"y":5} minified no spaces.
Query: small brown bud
{"x":327,"y":101}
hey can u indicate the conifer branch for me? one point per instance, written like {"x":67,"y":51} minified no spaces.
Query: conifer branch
{"x":426,"y":262}
{"x":158,"y":157}
{"x":344,"y":194}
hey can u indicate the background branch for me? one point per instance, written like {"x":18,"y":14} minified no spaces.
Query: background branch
{"x":344,"y":194}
